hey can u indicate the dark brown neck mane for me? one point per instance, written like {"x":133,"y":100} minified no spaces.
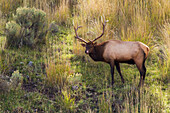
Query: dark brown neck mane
{"x":97,"y":53}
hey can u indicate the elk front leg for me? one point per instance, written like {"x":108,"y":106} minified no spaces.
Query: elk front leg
{"x":112,"y":72}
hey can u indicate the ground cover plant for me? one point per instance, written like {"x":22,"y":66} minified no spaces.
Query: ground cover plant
{"x":27,"y":29}
{"x":57,"y":76}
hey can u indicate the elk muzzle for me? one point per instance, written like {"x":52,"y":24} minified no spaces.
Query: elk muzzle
{"x":87,"y":51}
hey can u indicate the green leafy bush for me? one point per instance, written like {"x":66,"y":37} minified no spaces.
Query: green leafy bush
{"x":16,"y":80}
{"x":28,"y":28}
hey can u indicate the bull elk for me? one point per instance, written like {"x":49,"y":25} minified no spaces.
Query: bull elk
{"x":114,"y":52}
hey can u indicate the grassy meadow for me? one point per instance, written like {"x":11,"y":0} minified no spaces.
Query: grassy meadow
{"x":59,"y":77}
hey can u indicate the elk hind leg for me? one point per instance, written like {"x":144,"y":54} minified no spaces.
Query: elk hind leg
{"x":141,"y":67}
{"x":118,"y":69}
{"x":144,"y":69}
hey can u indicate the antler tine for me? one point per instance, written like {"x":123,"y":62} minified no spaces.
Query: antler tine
{"x":80,"y":39}
{"x":104,"y":24}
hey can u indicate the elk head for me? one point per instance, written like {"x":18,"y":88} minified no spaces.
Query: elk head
{"x":91,"y":43}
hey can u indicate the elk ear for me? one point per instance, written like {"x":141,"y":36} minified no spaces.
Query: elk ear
{"x":83,"y":45}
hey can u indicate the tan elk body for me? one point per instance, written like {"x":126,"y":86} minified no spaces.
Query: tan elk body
{"x":114,"y":52}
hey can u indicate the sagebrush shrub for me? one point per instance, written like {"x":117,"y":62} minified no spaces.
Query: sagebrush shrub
{"x":16,"y":80}
{"x":27,"y":28}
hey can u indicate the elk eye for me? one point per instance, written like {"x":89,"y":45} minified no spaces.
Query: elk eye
{"x":84,"y":45}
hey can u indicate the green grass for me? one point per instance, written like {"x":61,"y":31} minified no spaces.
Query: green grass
{"x":92,"y":78}
{"x":21,"y":101}
{"x":2,"y":42}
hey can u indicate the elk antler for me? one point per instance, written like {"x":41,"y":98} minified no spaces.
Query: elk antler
{"x":80,"y":39}
{"x":104,"y":24}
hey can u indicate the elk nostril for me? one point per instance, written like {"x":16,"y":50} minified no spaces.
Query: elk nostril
{"x":87,"y":52}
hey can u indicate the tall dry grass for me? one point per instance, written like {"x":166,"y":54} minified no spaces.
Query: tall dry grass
{"x":130,"y":20}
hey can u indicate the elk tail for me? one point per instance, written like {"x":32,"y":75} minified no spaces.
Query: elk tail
{"x":145,"y":48}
